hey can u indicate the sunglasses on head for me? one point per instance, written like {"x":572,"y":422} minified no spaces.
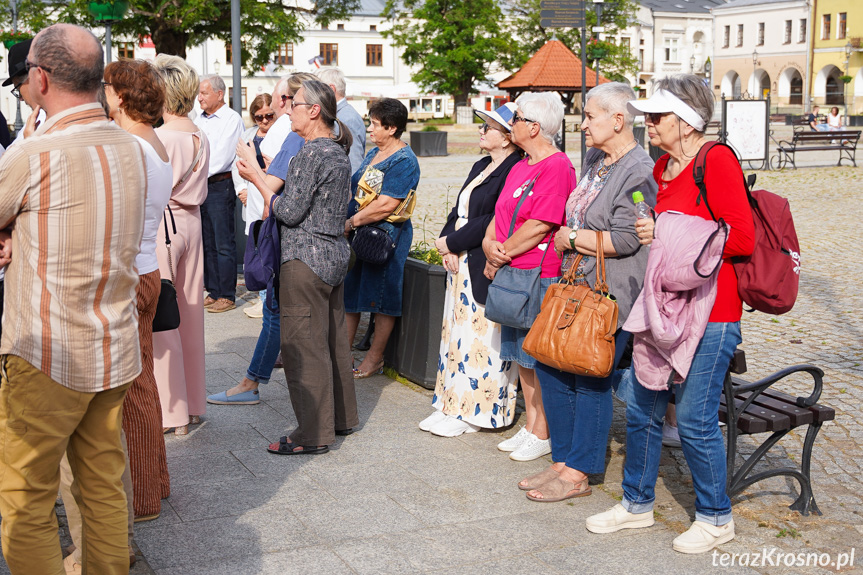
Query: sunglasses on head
{"x":655,"y":117}
{"x":260,"y":117}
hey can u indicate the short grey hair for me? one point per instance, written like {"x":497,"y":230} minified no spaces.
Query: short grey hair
{"x":612,"y":98}
{"x":216,"y":82}
{"x":74,"y":56}
{"x":693,"y":91}
{"x":544,"y":108}
{"x":334,"y":76}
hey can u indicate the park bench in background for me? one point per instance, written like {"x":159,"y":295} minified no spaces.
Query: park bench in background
{"x":757,"y":408}
{"x":844,"y":141}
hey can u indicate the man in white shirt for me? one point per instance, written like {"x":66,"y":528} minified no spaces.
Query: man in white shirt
{"x":224,"y":128}
{"x":347,"y":114}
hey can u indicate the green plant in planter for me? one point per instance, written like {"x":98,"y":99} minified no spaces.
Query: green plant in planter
{"x":428,"y":128}
{"x":426,"y":253}
{"x":845,"y":79}
{"x":10,"y":38}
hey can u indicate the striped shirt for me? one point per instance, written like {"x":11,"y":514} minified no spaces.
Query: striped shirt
{"x":75,"y":193}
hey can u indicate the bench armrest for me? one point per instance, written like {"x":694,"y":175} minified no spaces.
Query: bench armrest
{"x":762,"y":384}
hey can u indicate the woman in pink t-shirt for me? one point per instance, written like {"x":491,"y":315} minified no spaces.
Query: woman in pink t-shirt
{"x":534,"y":125}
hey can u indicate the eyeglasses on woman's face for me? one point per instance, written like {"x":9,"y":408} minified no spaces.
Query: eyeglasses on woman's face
{"x":655,"y":117}
{"x":261,"y":117}
{"x":295,"y":104}
{"x":486,"y":127}
{"x":516,"y":119}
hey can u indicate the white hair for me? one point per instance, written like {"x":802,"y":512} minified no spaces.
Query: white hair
{"x":544,"y":108}
{"x":334,"y":76}
{"x":612,"y":98}
{"x":216,"y":82}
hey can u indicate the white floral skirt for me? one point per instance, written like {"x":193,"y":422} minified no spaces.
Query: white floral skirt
{"x":473,"y":383}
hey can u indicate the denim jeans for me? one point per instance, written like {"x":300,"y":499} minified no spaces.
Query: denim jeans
{"x":579,"y":410}
{"x":220,"y":246}
{"x":267,"y":348}
{"x":698,"y":424}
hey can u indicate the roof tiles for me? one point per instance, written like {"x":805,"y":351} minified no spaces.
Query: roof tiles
{"x":553,"y":67}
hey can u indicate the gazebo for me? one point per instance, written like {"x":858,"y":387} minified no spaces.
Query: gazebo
{"x":554,"y":68}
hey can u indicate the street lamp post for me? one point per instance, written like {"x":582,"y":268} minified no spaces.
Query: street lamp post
{"x":848,"y":50}
{"x":692,"y":64}
{"x":707,"y":68}
{"x":597,"y":8}
{"x":19,"y":121}
{"x":106,"y":12}
{"x":754,"y":68}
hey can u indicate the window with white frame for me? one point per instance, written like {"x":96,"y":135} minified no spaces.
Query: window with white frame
{"x":842,"y":26}
{"x":726,"y":37}
{"x":825,"y":27}
{"x":739,"y":35}
{"x":801,"y":37}
{"x":760,"y":40}
{"x":787,"y":32}
{"x":671,"y":49}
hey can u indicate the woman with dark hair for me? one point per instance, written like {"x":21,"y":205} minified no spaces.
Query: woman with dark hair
{"x":179,"y":353}
{"x":315,"y":254}
{"x":676,"y":116}
{"x":264,"y":117}
{"x":136,"y":94}
{"x":377,"y":288}
{"x":460,"y":404}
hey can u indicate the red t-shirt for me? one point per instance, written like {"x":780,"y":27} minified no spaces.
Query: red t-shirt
{"x":555,"y":180}
{"x":727,"y":196}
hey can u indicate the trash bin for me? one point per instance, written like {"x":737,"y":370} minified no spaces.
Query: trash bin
{"x":428,"y":143}
{"x":639,"y":132}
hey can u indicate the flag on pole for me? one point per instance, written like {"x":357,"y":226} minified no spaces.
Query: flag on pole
{"x":317,"y":61}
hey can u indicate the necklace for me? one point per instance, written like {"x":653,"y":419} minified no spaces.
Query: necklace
{"x":605,"y":170}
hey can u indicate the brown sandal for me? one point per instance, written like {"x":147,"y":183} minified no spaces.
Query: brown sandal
{"x":537,"y":480}
{"x":559,"y":489}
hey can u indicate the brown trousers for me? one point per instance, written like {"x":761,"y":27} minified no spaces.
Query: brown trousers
{"x":316,"y":354}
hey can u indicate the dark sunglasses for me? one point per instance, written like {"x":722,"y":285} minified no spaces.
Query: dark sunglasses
{"x":28,"y":65}
{"x":285,"y":98}
{"x":486,"y":127}
{"x":655,"y":117}
{"x":516,"y":118}
{"x":260,"y":117}
{"x":16,"y":91}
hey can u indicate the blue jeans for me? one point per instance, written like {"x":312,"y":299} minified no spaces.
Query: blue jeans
{"x":579,"y":411}
{"x":220,"y":246}
{"x":267,"y":348}
{"x":698,"y":424}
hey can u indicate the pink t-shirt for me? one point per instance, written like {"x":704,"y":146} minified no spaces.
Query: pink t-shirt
{"x":555,"y":180}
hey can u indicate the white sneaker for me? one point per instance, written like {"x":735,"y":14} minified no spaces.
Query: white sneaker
{"x":618,"y":518}
{"x":453,"y":427}
{"x":426,"y":424}
{"x":532,"y":448}
{"x":254,"y":310}
{"x":515,"y":441}
{"x":670,"y":436}
{"x":702,"y":537}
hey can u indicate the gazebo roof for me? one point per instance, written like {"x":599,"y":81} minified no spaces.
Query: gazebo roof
{"x":553,"y":67}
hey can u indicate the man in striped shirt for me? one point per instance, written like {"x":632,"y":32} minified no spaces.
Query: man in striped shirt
{"x":74,"y":193}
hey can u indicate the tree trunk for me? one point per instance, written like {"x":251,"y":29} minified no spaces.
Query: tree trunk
{"x":169,"y":40}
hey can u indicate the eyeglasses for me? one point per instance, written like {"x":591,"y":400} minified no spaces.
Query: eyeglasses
{"x":516,"y":118}
{"x":28,"y":65}
{"x":295,"y":104}
{"x":285,"y":98}
{"x":655,"y":117}
{"x":486,"y":127}
{"x":106,"y":84}
{"x":261,"y":117}
{"x":16,"y":91}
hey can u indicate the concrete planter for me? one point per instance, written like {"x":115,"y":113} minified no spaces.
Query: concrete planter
{"x":415,"y":342}
{"x":428,"y":143}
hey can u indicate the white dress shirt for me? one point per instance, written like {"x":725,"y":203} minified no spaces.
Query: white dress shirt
{"x":276,"y":135}
{"x":223,"y":128}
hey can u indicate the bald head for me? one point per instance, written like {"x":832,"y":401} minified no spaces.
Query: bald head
{"x":73,"y":55}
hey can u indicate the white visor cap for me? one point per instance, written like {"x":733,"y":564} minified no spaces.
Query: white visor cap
{"x":663,"y":101}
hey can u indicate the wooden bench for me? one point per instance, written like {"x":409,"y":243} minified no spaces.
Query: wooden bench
{"x":757,"y":408}
{"x":844,"y":141}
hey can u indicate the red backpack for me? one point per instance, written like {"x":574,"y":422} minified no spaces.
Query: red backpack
{"x":768,"y":279}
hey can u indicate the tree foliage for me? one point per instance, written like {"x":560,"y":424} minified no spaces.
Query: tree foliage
{"x":175,"y":25}
{"x":451,"y":43}
{"x":524,"y":16}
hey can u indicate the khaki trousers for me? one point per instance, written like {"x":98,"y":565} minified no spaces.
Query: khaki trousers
{"x":316,"y":354}
{"x":70,"y":491}
{"x":40,"y":420}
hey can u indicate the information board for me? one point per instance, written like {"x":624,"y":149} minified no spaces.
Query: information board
{"x":561,"y":13}
{"x":745,"y":127}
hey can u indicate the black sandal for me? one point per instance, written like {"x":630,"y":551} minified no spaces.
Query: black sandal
{"x":285,"y":447}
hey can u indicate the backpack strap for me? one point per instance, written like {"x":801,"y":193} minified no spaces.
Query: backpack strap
{"x":699,"y":169}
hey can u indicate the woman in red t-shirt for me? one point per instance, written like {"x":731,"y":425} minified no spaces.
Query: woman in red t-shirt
{"x":676,"y":116}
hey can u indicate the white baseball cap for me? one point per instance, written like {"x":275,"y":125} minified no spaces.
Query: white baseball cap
{"x":663,"y":101}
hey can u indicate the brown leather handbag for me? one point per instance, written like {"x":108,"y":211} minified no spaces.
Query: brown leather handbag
{"x":574,"y":331}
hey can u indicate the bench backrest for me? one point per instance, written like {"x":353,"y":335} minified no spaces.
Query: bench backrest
{"x":803,"y":137}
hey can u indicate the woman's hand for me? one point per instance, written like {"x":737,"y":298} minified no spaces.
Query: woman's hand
{"x":32,"y":122}
{"x":246,"y":151}
{"x":267,"y":161}
{"x":561,"y":240}
{"x":495,"y":253}
{"x":490,"y":270}
{"x":246,"y":168}
{"x":450,"y":263}
{"x":644,"y":228}
{"x":348,"y":228}
{"x":5,"y":247}
{"x":243,"y":195}
{"x":441,"y":246}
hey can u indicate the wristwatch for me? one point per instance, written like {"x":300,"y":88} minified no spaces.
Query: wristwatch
{"x":572,"y":235}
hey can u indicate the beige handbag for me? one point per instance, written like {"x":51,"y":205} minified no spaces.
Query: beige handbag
{"x":574,"y":331}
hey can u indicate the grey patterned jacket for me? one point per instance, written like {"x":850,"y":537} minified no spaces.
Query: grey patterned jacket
{"x":313,"y":207}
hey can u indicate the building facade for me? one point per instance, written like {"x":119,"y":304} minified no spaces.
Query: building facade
{"x":761,"y":50}
{"x":837,"y":54}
